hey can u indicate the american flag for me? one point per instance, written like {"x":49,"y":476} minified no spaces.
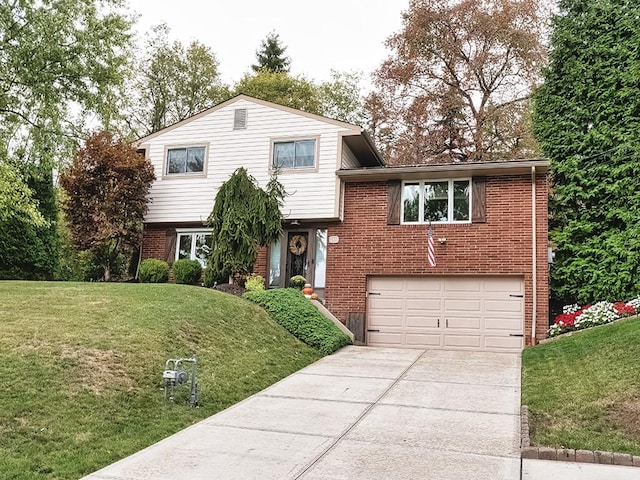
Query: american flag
{"x":431,"y":252}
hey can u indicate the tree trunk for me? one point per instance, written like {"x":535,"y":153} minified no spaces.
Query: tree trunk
{"x":107,"y":273}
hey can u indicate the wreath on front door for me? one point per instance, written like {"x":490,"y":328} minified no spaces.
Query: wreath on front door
{"x":298,"y":244}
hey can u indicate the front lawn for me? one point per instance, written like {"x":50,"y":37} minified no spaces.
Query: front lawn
{"x":583,"y":391}
{"x":81,"y":368}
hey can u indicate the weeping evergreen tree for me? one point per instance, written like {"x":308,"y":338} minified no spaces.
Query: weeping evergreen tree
{"x":244,"y":218}
{"x":587,"y":120}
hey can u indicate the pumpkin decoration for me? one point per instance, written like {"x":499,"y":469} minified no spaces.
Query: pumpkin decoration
{"x":314,"y":296}
{"x":307,"y":290}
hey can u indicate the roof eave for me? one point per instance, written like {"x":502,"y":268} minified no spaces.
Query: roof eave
{"x":414,"y":172}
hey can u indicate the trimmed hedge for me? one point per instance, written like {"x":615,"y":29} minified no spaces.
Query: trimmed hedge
{"x":187,"y":272}
{"x":289,"y":308}
{"x":153,"y":270}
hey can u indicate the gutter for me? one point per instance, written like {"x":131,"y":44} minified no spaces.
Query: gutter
{"x":405,"y":172}
{"x":534,"y":255}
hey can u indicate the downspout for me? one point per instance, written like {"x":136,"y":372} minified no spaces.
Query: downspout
{"x":534,"y":257}
{"x":140,"y":255}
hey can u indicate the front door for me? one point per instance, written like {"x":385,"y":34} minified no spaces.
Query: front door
{"x":297,"y":254}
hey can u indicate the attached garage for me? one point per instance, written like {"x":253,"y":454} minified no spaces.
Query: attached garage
{"x":449,"y":312}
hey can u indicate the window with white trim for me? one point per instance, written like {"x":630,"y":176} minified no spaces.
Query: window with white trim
{"x":294,"y":154}
{"x":185,"y":160}
{"x":194,"y":246}
{"x":438,"y":201}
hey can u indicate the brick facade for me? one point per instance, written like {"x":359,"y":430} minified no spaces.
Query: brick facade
{"x":502,"y":245}
{"x":154,"y":241}
{"x":369,"y":246}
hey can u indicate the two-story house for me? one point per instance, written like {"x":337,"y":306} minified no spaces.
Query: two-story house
{"x":357,"y":229}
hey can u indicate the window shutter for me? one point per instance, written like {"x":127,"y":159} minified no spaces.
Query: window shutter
{"x":170,"y":246}
{"x":394,"y":188}
{"x":479,"y":200}
{"x":240,"y":119}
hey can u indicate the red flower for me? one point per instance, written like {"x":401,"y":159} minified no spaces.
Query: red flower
{"x":567,"y":319}
{"x":623,"y":309}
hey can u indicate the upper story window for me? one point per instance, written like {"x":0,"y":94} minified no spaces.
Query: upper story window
{"x":294,"y":154}
{"x":444,"y":201}
{"x":185,"y":160}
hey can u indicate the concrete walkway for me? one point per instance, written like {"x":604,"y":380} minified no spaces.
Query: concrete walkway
{"x":362,"y":413}
{"x":545,"y":470}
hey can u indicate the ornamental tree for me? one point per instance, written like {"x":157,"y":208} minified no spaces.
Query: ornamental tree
{"x":244,"y":218}
{"x":457,"y":84}
{"x":107,"y":186}
{"x":586,"y":120}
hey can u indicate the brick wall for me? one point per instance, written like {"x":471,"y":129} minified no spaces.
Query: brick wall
{"x":154,"y":242}
{"x":502,"y":245}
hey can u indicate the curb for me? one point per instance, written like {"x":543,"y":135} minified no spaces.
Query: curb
{"x":568,"y":454}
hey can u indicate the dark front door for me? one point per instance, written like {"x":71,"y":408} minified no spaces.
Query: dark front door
{"x":297,"y":254}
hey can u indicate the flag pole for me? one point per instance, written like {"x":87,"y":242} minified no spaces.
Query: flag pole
{"x":431,"y":251}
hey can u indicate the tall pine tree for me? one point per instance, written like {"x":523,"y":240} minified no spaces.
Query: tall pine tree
{"x":271,"y":55}
{"x":587,"y":120}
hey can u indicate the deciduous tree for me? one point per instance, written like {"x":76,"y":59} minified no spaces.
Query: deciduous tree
{"x":107,"y":186}
{"x":62,"y":62}
{"x":282,"y":88}
{"x":458,"y":81}
{"x":174,"y":82}
{"x":244,"y":218}
{"x":342,"y":99}
{"x":586,"y":120}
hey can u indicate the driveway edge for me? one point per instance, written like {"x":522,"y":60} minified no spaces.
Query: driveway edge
{"x":568,"y":454}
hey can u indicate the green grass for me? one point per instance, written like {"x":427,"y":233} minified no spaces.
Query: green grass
{"x":81,"y":368}
{"x":293,"y":311}
{"x":583,"y":391}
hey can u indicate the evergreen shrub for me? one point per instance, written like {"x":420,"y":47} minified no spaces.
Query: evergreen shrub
{"x":153,"y":270}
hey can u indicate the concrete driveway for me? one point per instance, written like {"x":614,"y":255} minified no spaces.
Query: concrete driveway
{"x":362,"y":413}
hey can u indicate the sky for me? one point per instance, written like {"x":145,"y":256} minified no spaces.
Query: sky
{"x":343,"y":35}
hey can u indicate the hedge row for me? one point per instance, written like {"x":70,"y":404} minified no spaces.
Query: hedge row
{"x":289,"y":308}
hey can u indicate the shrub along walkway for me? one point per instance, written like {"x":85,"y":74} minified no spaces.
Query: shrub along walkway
{"x":361,"y":413}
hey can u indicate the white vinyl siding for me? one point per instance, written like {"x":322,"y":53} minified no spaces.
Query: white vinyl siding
{"x":310,"y":196}
{"x":348,"y":158}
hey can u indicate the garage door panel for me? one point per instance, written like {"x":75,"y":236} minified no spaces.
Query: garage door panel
{"x":503,"y":283}
{"x":460,"y":284}
{"x":422,"y":321}
{"x":385,"y":339}
{"x":420,"y":285}
{"x":467,"y":323}
{"x":423,"y":305}
{"x":503,"y":306}
{"x":383,"y":303}
{"x":463,"y":341}
{"x":423,"y":340}
{"x":468,"y":313}
{"x":503,"y":343}
{"x":389,"y":320}
{"x":384,"y":283}
{"x":460,"y":305}
{"x":512,"y":325}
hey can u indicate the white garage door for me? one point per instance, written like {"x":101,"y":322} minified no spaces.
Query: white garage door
{"x":471,"y":313}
